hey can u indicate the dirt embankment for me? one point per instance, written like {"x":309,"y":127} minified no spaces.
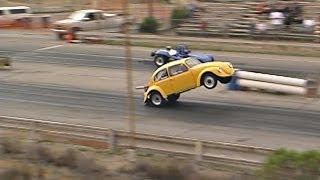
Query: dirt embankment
{"x":49,"y":160}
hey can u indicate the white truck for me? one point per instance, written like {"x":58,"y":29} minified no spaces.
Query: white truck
{"x":86,"y":20}
{"x":11,"y":15}
{"x":22,"y":16}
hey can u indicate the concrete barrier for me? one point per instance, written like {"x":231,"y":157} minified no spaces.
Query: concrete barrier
{"x":251,"y":80}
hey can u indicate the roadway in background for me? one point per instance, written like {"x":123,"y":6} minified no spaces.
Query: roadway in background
{"x":192,"y":116}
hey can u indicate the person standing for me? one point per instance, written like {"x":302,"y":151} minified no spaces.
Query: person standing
{"x":277,"y":19}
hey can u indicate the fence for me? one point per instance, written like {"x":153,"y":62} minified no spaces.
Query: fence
{"x":204,"y":151}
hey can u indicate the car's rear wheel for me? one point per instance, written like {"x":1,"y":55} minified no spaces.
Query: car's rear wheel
{"x":160,"y":60}
{"x":209,"y":80}
{"x":173,"y":98}
{"x":156,"y":99}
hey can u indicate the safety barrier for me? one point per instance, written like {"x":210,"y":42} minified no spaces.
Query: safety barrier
{"x":251,"y":80}
{"x":234,"y":155}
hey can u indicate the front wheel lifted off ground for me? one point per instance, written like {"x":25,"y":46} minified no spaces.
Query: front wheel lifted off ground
{"x":156,"y":99}
{"x":209,"y":80}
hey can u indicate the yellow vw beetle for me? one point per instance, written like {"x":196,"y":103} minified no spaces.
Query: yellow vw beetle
{"x":176,"y":77}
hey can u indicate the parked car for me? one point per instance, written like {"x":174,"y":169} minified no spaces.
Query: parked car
{"x":86,"y":20}
{"x":12,"y":15}
{"x":169,"y":81}
{"x":163,"y":56}
{"x":22,"y":16}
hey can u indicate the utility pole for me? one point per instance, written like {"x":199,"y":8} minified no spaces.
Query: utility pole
{"x":150,"y":8}
{"x":130,"y":101}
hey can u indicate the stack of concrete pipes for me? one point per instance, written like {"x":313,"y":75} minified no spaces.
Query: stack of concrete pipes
{"x":251,"y":80}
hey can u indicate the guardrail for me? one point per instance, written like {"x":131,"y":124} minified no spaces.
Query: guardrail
{"x":234,"y":155}
{"x":252,"y":80}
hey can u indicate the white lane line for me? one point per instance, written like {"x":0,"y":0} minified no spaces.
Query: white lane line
{"x":50,"y":47}
{"x":75,"y":58}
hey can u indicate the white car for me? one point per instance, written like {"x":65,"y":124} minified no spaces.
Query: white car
{"x":11,"y":15}
{"x":86,"y":20}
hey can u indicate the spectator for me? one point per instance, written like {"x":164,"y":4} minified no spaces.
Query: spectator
{"x":309,"y":25}
{"x":296,"y":11}
{"x":277,"y":19}
{"x":204,"y":25}
{"x":261,"y":27}
{"x":253,"y":24}
{"x":263,"y":8}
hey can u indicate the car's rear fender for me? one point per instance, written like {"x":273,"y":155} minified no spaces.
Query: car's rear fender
{"x":154,"y":88}
{"x":162,"y":53}
{"x":203,"y":58}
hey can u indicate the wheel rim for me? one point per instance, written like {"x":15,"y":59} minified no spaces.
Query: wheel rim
{"x":209,"y":81}
{"x":156,"y":99}
{"x":159,"y":61}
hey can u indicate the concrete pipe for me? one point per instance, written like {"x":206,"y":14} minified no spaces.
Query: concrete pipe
{"x":272,"y":87}
{"x":271,"y":78}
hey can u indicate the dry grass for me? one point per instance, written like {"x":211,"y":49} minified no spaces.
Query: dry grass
{"x":37,"y":156}
{"x":10,"y":146}
{"x":168,"y":170}
{"x":52,"y":161}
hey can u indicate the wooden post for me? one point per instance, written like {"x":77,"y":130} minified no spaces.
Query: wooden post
{"x":198,"y":150}
{"x":150,"y":8}
{"x":112,"y":140}
{"x":130,"y":101}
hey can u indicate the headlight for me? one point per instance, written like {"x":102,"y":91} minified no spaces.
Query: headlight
{"x":230,"y":65}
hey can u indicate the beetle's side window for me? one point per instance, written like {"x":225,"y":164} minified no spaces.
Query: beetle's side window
{"x":192,"y":62}
{"x":177,"y":69}
{"x":1,"y":12}
{"x":161,"y":75}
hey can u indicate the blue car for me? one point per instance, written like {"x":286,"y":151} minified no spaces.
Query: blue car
{"x":163,"y":56}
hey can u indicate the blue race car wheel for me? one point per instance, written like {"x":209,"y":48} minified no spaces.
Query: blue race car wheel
{"x":160,"y":60}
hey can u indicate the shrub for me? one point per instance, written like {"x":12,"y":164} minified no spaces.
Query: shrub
{"x":178,"y":15}
{"x":11,"y":146}
{"x":68,"y":159}
{"x":75,"y":160}
{"x":149,"y":25}
{"x":24,"y":172}
{"x":89,"y":166}
{"x":41,"y":153}
{"x":287,"y":164}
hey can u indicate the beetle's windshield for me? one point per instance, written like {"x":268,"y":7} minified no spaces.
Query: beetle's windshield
{"x":192,"y":62}
{"x":78,"y":16}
